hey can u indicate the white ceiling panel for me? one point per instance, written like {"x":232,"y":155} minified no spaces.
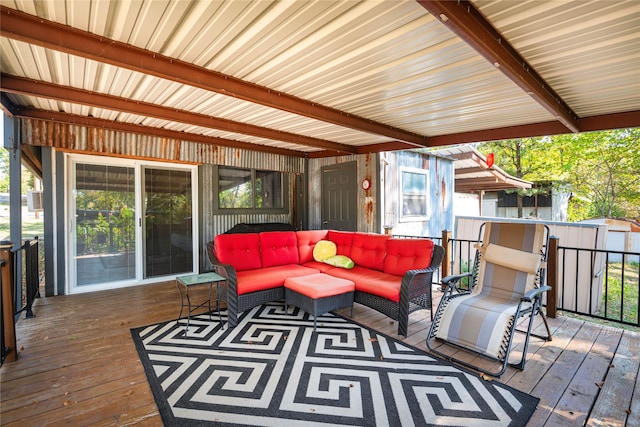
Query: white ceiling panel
{"x":583,"y":49}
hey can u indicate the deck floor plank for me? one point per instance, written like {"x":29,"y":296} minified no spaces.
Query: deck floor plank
{"x":573,"y":407}
{"x":77,"y":363}
{"x":634,"y":407}
{"x":558,"y":378}
{"x":544,"y":357}
{"x":615,"y":397}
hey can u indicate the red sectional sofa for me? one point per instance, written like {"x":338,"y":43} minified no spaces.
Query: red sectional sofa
{"x":391,"y":275}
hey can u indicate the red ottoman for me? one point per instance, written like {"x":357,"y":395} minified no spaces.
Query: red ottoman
{"x":318,"y":293}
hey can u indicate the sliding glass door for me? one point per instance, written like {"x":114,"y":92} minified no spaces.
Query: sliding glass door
{"x":104,"y":224}
{"x":168,"y":222}
{"x":130,"y":222}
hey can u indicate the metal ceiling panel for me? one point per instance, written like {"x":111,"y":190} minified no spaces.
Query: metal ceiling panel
{"x":350,"y":56}
{"x":137,"y":86}
{"x":390,"y":62}
{"x":588,"y":51}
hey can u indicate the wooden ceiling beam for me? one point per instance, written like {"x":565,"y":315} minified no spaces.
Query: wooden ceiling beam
{"x":22,"y":86}
{"x":624,"y":120}
{"x":467,"y":22}
{"x":31,"y":29}
{"x":629,"y":119}
{"x":32,"y":159}
{"x":94,"y":122}
{"x":499,"y":134}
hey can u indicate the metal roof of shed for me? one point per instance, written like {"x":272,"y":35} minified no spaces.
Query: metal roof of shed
{"x":473,"y":173}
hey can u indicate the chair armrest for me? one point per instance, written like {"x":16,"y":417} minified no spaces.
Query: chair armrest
{"x":454,"y":278}
{"x":414,"y":281}
{"x":534,"y":293}
{"x":225,"y":270}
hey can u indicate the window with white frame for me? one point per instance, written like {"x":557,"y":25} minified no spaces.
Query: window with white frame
{"x":413,"y":194}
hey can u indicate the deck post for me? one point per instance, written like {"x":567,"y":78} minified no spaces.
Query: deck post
{"x":552,"y":276}
{"x":8,"y":318}
{"x":446,"y":260}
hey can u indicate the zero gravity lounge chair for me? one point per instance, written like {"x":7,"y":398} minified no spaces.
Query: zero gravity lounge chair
{"x":506,"y":284}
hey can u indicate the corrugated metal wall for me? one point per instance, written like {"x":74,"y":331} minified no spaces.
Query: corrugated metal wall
{"x":367,"y":167}
{"x":114,"y":143}
{"x":441,"y":188}
{"x":370,"y":217}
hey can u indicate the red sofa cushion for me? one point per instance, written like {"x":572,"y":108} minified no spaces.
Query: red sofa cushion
{"x":368,"y":250}
{"x":371,"y":281}
{"x":407,"y":254}
{"x":387,"y":287}
{"x":320,"y":266}
{"x":242,"y":251}
{"x":307,"y":240}
{"x":268,"y":278}
{"x":279,"y":248}
{"x":343,"y":240}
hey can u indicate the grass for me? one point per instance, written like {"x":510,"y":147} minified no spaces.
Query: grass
{"x":617,"y":309}
{"x":31,"y":225}
{"x":621,"y":299}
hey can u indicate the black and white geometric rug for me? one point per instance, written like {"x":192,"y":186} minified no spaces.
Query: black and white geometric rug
{"x":274,"y":370}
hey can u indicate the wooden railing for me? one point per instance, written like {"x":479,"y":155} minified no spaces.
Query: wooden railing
{"x":19,"y":288}
{"x":9,"y":352}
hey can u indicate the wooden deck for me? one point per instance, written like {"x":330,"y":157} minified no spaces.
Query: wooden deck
{"x":77,"y":364}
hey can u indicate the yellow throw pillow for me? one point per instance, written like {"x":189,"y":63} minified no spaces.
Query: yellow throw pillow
{"x":340,"y":261}
{"x":324,"y":249}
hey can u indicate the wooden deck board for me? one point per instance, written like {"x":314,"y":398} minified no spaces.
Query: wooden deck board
{"x":77,"y":363}
{"x":556,"y":380}
{"x":614,"y":400}
{"x":540,"y":362}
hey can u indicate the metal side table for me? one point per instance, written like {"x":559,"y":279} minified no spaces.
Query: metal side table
{"x":200,"y":279}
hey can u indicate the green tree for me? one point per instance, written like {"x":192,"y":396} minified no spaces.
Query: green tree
{"x":602,"y":168}
{"x":4,"y":170}
{"x":525,"y":158}
{"x":27,"y":180}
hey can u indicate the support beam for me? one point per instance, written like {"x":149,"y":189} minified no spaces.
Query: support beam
{"x":31,"y":29}
{"x":466,"y":22}
{"x":486,"y":185}
{"x":22,"y":86}
{"x":629,"y":119}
